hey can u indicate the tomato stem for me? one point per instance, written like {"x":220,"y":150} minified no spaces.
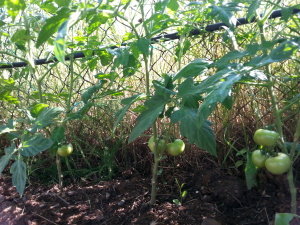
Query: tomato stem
{"x":59,"y":172}
{"x":279,"y":124}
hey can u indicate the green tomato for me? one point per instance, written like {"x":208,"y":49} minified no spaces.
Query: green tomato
{"x":176,"y":148}
{"x":161,"y":145}
{"x":258,"y":158}
{"x":265,"y":137}
{"x":278,"y":164}
{"x":65,"y":150}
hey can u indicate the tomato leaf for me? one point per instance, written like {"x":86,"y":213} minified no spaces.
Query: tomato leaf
{"x":224,"y":60}
{"x":9,"y":151}
{"x":155,"y":107}
{"x":250,"y":172}
{"x":132,"y":65}
{"x":201,"y":135}
{"x":59,"y":44}
{"x":45,"y":118}
{"x":224,"y":13}
{"x":164,"y":88}
{"x":18,"y":171}
{"x":284,"y":218}
{"x":51,"y":26}
{"x":87,"y":95}
{"x":252,"y":10}
{"x":282,"y":52}
{"x":6,"y":129}
{"x":143,"y":45}
{"x":58,"y":134}
{"x":220,"y":91}
{"x":128,"y":101}
{"x":194,"y":68}
{"x":173,"y":5}
{"x":32,"y":145}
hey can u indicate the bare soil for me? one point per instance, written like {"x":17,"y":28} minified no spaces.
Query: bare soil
{"x":215,"y":195}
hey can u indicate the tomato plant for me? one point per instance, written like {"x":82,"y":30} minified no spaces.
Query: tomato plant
{"x":259,"y":158}
{"x":266,"y":138}
{"x":65,"y":150}
{"x":175,"y":148}
{"x":278,"y":164}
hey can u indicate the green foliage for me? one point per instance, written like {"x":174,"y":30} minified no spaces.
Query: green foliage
{"x":31,"y":142}
{"x":284,"y":218}
{"x":7,"y":86}
{"x":203,"y":79}
{"x":250,"y":172}
{"x":52,"y":25}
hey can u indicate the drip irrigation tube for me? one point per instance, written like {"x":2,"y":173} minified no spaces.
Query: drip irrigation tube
{"x":167,"y":37}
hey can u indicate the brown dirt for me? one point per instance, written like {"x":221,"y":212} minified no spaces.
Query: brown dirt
{"x":214,"y":196}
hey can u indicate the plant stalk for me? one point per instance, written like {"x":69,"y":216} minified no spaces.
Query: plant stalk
{"x":155,"y":168}
{"x":59,"y":172}
{"x":278,"y":122}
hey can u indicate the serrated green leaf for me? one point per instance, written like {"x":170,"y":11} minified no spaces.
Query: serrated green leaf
{"x":62,"y":3}
{"x":164,"y":87}
{"x":282,"y":52}
{"x":252,"y":9}
{"x":224,"y":14}
{"x":98,"y":19}
{"x":128,"y":101}
{"x":155,"y":107}
{"x":18,"y":171}
{"x":35,"y":144}
{"x":173,"y":5}
{"x":286,"y":13}
{"x":9,"y":151}
{"x":250,"y":172}
{"x":284,"y":218}
{"x":200,"y":134}
{"x":80,"y":113}
{"x":218,"y":93}
{"x":88,"y":94}
{"x":194,"y":68}
{"x":132,"y":66}
{"x":160,"y":5}
{"x":46,"y":116}
{"x":14,"y":7}
{"x":5,"y":129}
{"x":143,"y":45}
{"x":51,"y":26}
{"x":49,"y":6}
{"x":224,"y":60}
{"x":105,"y":57}
{"x":58,"y":134}
{"x":59,"y":43}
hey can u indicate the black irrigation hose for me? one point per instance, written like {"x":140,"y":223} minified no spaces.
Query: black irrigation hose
{"x":167,"y":37}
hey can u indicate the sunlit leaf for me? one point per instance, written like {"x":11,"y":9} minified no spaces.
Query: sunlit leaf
{"x":194,"y":68}
{"x":51,"y":26}
{"x":34,"y":144}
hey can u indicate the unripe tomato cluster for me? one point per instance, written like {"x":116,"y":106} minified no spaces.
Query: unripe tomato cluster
{"x":277,"y":164}
{"x":175,"y":148}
